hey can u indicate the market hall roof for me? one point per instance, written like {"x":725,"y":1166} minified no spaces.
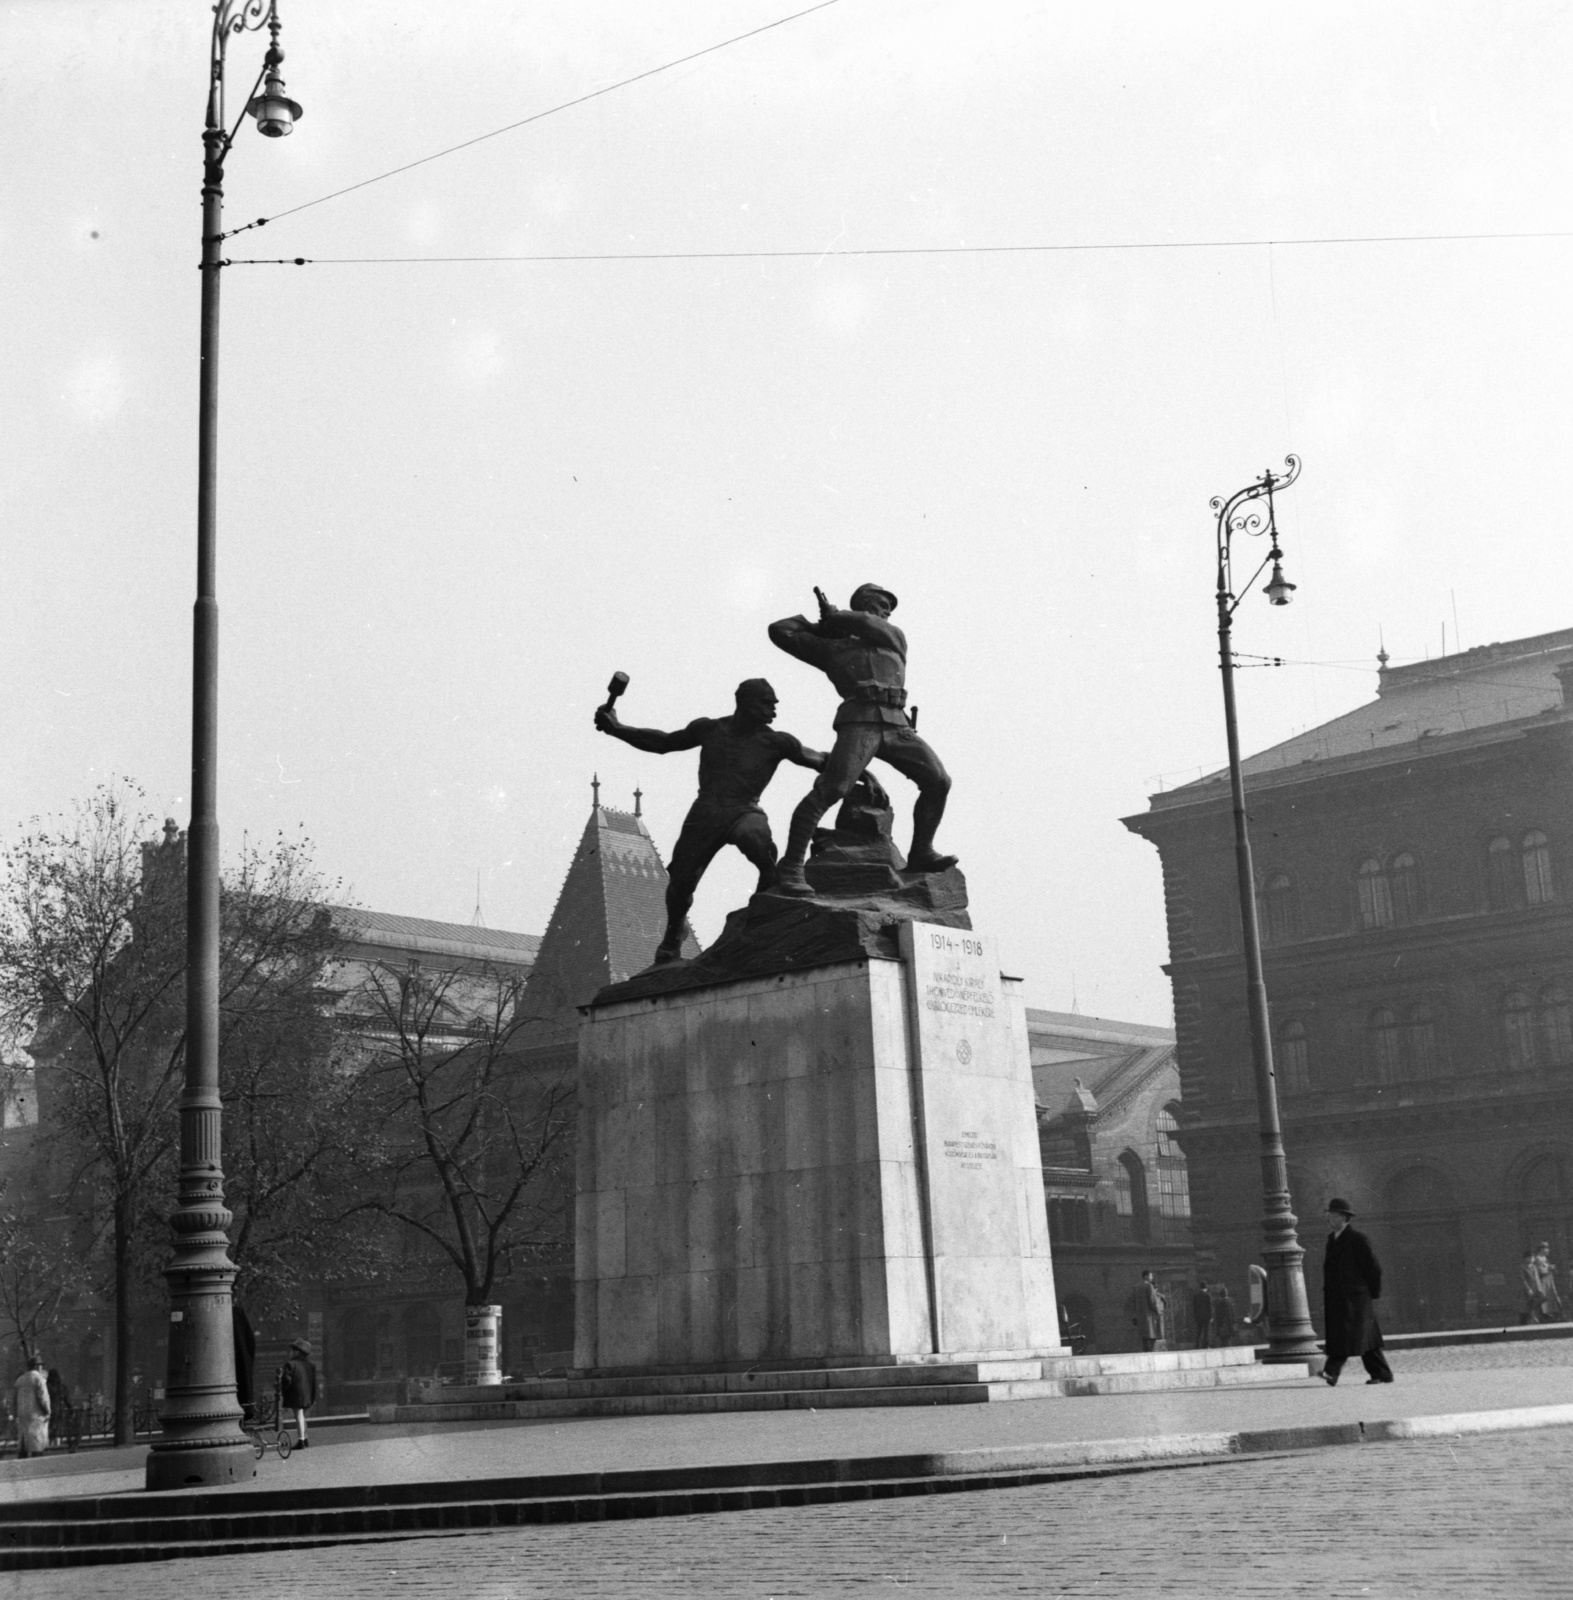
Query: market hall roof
{"x":1491,"y":692}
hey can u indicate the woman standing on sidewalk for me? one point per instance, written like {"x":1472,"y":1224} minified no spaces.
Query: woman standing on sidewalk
{"x":32,"y":1410}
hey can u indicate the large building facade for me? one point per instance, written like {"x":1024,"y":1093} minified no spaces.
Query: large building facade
{"x":1414,"y":875}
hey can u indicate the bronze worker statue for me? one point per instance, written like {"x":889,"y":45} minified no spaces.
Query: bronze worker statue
{"x":738,"y":756}
{"x":864,"y":654}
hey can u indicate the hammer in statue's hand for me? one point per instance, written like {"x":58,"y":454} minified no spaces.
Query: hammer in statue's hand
{"x":613,"y":689}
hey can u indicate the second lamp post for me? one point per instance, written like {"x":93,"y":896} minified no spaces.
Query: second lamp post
{"x":1290,"y":1336}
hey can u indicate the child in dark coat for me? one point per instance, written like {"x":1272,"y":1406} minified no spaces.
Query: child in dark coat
{"x":298,"y":1388}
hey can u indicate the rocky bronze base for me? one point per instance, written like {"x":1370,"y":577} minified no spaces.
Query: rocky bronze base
{"x":862,"y":893}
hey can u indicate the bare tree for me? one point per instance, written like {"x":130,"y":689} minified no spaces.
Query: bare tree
{"x":295,"y":1139}
{"x":92,"y":967}
{"x":473,"y":1128}
{"x":37,"y":1270}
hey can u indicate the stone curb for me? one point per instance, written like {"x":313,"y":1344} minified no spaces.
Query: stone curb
{"x":142,"y":1527}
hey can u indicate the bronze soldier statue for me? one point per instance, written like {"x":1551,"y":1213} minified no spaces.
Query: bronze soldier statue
{"x":738,"y":756}
{"x":864,"y":654}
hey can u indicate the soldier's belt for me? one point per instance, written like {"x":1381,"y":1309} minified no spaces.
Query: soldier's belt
{"x":875,"y":694}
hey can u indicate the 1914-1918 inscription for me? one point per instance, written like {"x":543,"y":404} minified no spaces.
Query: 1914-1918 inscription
{"x":951,"y":989}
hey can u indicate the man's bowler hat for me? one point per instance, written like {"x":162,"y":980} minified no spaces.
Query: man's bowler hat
{"x":1342,"y":1207}
{"x":302,"y":1345}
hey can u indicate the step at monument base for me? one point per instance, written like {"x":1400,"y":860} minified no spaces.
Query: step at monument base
{"x":831,"y":1388}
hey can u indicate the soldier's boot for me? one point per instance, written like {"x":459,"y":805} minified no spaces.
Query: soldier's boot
{"x":790,"y":877}
{"x":925,"y":824}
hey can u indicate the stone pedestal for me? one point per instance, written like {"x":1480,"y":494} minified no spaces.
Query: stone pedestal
{"x":829,"y":1166}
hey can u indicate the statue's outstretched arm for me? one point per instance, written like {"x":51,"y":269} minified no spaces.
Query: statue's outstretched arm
{"x":652,"y":740}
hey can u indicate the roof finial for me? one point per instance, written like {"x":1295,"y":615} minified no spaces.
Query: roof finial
{"x":595,"y":790}
{"x":1382,"y":657}
{"x":477,"y":921}
{"x":638,"y":798}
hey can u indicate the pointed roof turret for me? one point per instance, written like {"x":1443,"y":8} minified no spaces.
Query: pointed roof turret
{"x":609,"y":917}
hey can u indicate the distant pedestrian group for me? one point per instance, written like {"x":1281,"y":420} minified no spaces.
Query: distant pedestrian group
{"x":1541,"y":1302}
{"x":1213,"y":1316}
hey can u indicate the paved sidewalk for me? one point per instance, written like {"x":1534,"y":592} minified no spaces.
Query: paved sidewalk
{"x":456,"y":1451}
{"x":1434,"y":1521}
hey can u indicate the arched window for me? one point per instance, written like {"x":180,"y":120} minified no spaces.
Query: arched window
{"x":1278,"y":912}
{"x":1556,"y":1025}
{"x":1386,"y":1055}
{"x":1376,"y":895}
{"x":1518,"y":1030}
{"x":1403,"y":887}
{"x":1130,"y":1198}
{"x":1537,"y":869}
{"x":1502,"y":877}
{"x":422,"y":1341}
{"x":359,"y":1340}
{"x":1294,"y":1071}
{"x":1174,"y":1183}
{"x":1420,"y":1043}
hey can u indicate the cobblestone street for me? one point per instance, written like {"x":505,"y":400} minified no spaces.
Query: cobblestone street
{"x":1476,"y":1517}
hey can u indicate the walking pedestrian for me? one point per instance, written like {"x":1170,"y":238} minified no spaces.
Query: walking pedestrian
{"x":1202,"y":1314}
{"x":1351,"y":1281}
{"x":1153,"y":1305}
{"x":298,"y":1387}
{"x":1533,"y":1304}
{"x":1550,"y":1300}
{"x":32,"y":1410}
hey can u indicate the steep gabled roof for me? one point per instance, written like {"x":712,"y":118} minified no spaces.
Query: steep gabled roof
{"x":609,"y":918}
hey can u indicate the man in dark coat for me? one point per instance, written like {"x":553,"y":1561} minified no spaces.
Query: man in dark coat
{"x":245,"y":1360}
{"x":1351,"y":1280}
{"x":298,"y":1387}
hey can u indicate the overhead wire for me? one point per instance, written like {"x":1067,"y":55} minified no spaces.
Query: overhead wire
{"x":536,"y":116}
{"x":824,"y":252}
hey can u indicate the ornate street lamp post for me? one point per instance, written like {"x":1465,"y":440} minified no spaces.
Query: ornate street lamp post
{"x":202,"y":1443}
{"x":1290,"y":1336}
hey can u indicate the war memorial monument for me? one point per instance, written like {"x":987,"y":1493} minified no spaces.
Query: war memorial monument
{"x":815,"y":1143}
{"x":808,"y":1171}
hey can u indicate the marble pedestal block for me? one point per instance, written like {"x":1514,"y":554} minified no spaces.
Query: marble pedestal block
{"x":831,"y":1166}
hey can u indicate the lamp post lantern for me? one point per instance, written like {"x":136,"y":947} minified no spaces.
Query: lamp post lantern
{"x":1290,"y":1336}
{"x":202,"y":1443}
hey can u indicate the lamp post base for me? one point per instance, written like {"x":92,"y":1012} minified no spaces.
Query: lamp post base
{"x":1290,"y":1334}
{"x":212,"y":1464}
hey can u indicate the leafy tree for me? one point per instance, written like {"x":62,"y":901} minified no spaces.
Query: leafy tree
{"x":473,"y":1129}
{"x":92,"y":968}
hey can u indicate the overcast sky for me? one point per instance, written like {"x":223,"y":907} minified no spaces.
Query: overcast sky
{"x":456,"y":496}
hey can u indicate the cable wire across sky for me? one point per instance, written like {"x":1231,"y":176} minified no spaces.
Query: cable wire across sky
{"x":889,"y":250}
{"x":536,"y":116}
